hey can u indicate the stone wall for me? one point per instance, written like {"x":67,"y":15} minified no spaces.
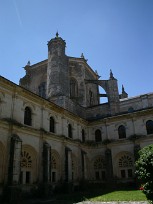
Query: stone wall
{"x":35,"y":76}
{"x":97,"y":112}
{"x":136,"y":103}
{"x":84,"y":155}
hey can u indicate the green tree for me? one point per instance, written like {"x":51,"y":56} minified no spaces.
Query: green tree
{"x":144,"y":170}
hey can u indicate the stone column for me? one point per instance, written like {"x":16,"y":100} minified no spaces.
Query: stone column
{"x":109,"y":165}
{"x":46,"y":162}
{"x":14,"y":169}
{"x":14,"y":160}
{"x":83,"y":161}
{"x":68,"y":164}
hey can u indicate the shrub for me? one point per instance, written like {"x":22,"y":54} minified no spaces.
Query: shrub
{"x":144,"y":171}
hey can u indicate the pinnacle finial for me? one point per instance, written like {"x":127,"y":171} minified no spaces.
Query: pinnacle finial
{"x":82,"y":55}
{"x":123,"y":89}
{"x":57,"y":34}
{"x":96,"y":72}
{"x":124,"y":94}
{"x":28,"y":63}
{"x":111,"y":74}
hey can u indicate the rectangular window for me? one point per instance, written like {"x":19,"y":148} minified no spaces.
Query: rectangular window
{"x":53,"y":176}
{"x":28,"y":176}
{"x":103,"y":175}
{"x":129,"y":173}
{"x":122,"y":173}
{"x":97,"y":175}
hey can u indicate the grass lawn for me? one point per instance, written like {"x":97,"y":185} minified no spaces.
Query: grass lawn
{"x":133,"y":195}
{"x":103,"y":195}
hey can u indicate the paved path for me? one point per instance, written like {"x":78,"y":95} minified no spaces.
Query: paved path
{"x":54,"y":201}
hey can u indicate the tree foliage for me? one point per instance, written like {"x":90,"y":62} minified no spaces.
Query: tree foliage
{"x":144,"y":170}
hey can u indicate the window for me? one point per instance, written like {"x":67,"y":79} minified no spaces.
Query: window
{"x":130,"y":173}
{"x":125,"y":161}
{"x":103,"y":175}
{"x":54,"y":168}
{"x":83,"y":135}
{"x":26,"y":167}
{"x":97,"y":175}
{"x":122,"y":173}
{"x":90,"y":98}
{"x":99,"y":167}
{"x":121,"y":132}
{"x":26,"y":160}
{"x":52,"y":125}
{"x":70,"y":131}
{"x":25,"y":177}
{"x":73,"y":88}
{"x":53,"y":162}
{"x":53,"y":176}
{"x":125,"y":164}
{"x":42,"y":90}
{"x":149,"y":127}
{"x":28,"y":174}
{"x":27,"y":116}
{"x":98,"y":136}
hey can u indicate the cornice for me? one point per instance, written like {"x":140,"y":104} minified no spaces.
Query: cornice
{"x":125,"y":116}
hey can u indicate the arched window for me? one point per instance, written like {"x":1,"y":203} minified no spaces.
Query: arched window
{"x":26,"y":167}
{"x":55,"y":166}
{"x":121,"y":132}
{"x":83,"y":135}
{"x":91,"y":98}
{"x":100,"y":168}
{"x":73,"y":88}
{"x":69,"y":130}
{"x":125,"y":164}
{"x":149,"y":127}
{"x":26,"y":160}
{"x":27,"y":116}
{"x":125,"y":161}
{"x":98,"y":137}
{"x":52,"y":125}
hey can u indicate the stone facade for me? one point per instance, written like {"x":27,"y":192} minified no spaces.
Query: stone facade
{"x":54,"y":130}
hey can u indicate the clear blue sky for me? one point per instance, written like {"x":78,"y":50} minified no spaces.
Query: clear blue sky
{"x":112,"y":34}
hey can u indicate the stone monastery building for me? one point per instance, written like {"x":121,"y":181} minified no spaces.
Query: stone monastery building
{"x":53,"y":128}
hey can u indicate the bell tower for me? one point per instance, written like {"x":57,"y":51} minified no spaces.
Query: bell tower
{"x":57,"y":70}
{"x":113,"y":94}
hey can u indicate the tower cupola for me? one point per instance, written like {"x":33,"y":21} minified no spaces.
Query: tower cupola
{"x":57,"y":69}
{"x":57,"y":46}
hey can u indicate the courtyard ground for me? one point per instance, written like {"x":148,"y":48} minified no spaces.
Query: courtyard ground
{"x":92,"y":195}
